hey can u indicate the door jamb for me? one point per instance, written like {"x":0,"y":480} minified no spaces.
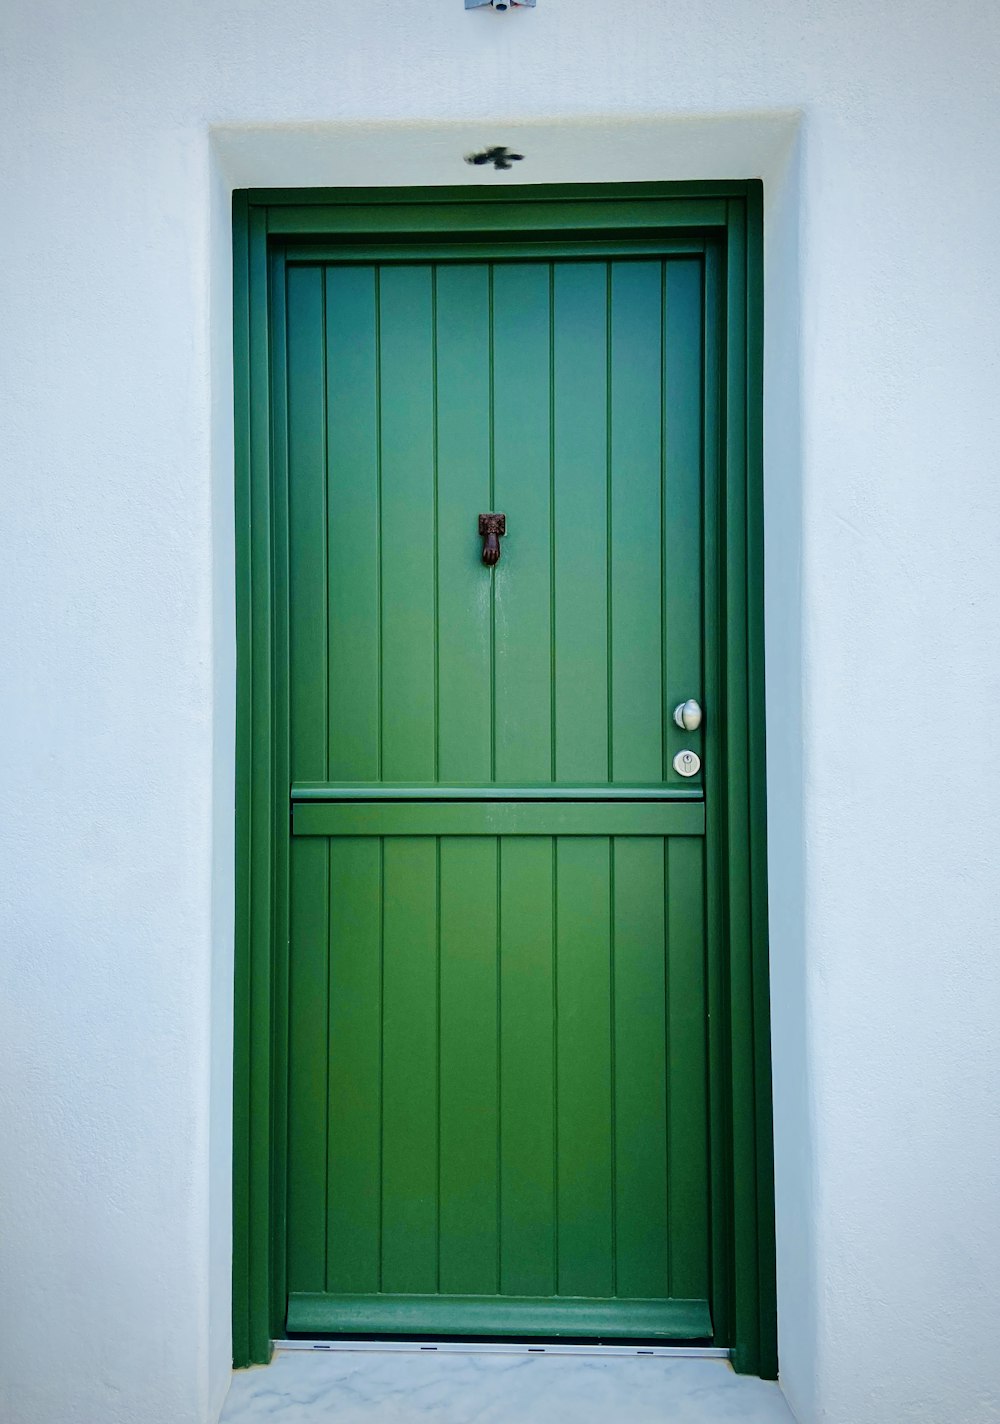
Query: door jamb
{"x":729,"y":215}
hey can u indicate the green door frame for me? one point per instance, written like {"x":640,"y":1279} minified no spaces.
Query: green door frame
{"x":724,"y":222}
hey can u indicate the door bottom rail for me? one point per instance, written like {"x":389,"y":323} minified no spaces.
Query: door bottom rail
{"x":320,"y":1313}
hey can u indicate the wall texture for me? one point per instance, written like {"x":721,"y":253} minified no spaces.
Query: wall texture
{"x":123,"y":128}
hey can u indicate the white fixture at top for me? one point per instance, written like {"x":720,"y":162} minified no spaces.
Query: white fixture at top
{"x":499,"y":4}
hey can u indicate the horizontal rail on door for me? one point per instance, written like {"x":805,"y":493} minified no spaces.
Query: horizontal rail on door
{"x":374,"y":254}
{"x":565,"y":218}
{"x":499,"y":818}
{"x":492,"y":791}
{"x":499,"y":1315}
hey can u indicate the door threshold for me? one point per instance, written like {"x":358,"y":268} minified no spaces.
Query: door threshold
{"x":506,"y":1347}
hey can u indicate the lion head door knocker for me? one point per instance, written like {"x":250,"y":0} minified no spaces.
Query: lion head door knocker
{"x":492,"y":528}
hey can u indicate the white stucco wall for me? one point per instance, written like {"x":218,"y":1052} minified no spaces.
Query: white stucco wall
{"x":122,"y":129}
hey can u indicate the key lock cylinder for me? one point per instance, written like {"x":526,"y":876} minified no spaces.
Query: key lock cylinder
{"x":687,"y":715}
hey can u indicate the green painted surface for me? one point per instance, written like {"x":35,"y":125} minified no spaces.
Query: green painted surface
{"x":365,"y":791}
{"x":497,"y":1050}
{"x":568,"y":395}
{"x":493,"y":1043}
{"x":514,"y":818}
{"x":529,"y":1316}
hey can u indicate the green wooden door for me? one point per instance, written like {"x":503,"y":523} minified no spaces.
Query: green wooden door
{"x":497,"y":1043}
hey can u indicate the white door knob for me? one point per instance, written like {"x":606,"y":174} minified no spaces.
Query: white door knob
{"x":687,"y":715}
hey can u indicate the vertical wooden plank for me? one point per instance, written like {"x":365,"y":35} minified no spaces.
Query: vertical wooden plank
{"x":353,"y":532}
{"x":243,"y":1246}
{"x":406,"y":362}
{"x":714,"y":742}
{"x":253,"y":1219}
{"x":464,"y":688}
{"x":636,"y":642}
{"x":409,"y":1065}
{"x":580,"y":531}
{"x":687,"y":1106}
{"x":682,"y":559}
{"x":767,"y":1264}
{"x":746,"y":1245}
{"x":635,"y":531}
{"x":307,"y":523}
{"x":640,"y":1068}
{"x":307,"y":1065}
{"x":281,"y":776}
{"x":468,"y":1073}
{"x":527,"y":1014}
{"x":355,"y":1059}
{"x":309,"y":871}
{"x":584,"y":1128}
{"x":522,"y":490}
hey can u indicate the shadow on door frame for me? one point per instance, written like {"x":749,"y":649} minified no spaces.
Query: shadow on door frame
{"x":725,"y":219}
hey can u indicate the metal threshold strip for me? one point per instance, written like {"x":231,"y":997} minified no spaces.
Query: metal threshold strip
{"x":506,"y":1347}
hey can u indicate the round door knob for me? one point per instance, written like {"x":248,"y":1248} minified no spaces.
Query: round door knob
{"x":687,"y":763}
{"x":687,"y":715}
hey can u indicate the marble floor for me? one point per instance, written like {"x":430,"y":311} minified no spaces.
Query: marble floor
{"x":398,"y":1387}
